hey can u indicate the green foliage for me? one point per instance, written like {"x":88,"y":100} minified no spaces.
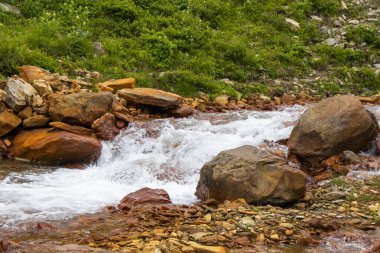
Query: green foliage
{"x":365,"y":34}
{"x":339,"y":181}
{"x":326,"y":7}
{"x":328,"y":88}
{"x":195,"y":43}
{"x":338,"y":56}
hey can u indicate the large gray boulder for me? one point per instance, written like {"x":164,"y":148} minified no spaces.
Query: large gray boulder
{"x":19,"y":93}
{"x":252,"y":174}
{"x":79,"y":108}
{"x":330,"y":127}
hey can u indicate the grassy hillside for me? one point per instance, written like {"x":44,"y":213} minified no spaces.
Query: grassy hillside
{"x":188,"y":46}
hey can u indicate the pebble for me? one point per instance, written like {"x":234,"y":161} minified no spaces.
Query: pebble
{"x":274,"y":237}
{"x":287,"y":225}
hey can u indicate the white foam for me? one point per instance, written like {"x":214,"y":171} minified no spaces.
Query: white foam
{"x":165,"y":154}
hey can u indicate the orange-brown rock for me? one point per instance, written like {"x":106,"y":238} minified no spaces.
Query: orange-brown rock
{"x":80,"y":108}
{"x":36,"y":121}
{"x":143,"y":197}
{"x":105,"y":127}
{"x":125,"y":117}
{"x":8,"y":122}
{"x":116,"y":85}
{"x":153,"y":97}
{"x":33,"y":73}
{"x":72,"y":129}
{"x":50,"y":147}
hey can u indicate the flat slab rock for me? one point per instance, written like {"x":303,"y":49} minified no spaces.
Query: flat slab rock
{"x":116,"y":85}
{"x":151,"y":97}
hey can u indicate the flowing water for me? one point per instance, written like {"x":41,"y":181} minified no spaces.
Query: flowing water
{"x":164,"y":154}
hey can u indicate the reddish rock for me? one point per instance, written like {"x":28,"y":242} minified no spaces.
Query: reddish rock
{"x":45,"y":226}
{"x":144,"y":197}
{"x":105,"y":127}
{"x":72,"y":129}
{"x":120,"y":124}
{"x":5,"y":245}
{"x":322,"y":176}
{"x":125,"y":117}
{"x":244,"y":241}
{"x":183,"y":111}
{"x":50,"y":147}
{"x":324,"y":224}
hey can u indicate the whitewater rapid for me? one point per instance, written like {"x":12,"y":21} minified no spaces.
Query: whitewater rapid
{"x":165,"y":154}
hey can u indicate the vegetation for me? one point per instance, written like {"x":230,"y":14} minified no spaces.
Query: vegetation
{"x":185,"y":46}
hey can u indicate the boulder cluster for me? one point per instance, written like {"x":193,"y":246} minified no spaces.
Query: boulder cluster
{"x":54,"y":120}
{"x":326,"y":137}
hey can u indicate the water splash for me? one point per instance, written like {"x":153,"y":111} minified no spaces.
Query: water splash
{"x":164,"y":154}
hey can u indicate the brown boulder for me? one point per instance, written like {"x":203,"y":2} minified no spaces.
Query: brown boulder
{"x":79,"y":108}
{"x":33,"y":73}
{"x":147,"y":96}
{"x":27,"y":112}
{"x":50,"y":147}
{"x":183,"y":111}
{"x":116,"y":85}
{"x":330,"y":127}
{"x":144,"y":197}
{"x":105,"y":127}
{"x":8,"y":122}
{"x":253,"y":175}
{"x":72,"y":129}
{"x":36,"y":121}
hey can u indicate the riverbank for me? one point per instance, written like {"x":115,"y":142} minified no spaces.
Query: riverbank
{"x":335,"y":216}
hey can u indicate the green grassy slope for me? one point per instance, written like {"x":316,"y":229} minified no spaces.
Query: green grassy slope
{"x":196,"y":43}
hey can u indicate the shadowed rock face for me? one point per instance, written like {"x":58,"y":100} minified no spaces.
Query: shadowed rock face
{"x":80,"y":108}
{"x":152,"y":97}
{"x":330,"y":127}
{"x":8,"y":122}
{"x":50,"y":147}
{"x":252,"y":174}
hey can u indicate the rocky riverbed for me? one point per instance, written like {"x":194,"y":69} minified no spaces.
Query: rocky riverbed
{"x":310,"y":174}
{"x":337,"y":215}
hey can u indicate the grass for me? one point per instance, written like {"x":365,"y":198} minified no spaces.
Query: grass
{"x":194,"y":43}
{"x":339,"y":181}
